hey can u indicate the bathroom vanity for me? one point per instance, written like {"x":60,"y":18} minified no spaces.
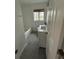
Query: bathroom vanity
{"x":42,"y":34}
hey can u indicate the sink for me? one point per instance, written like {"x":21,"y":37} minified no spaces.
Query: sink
{"x":42,"y":28}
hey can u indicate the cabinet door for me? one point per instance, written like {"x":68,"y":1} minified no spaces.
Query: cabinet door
{"x":42,"y":39}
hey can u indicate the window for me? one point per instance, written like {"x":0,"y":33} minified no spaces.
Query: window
{"x":38,"y":15}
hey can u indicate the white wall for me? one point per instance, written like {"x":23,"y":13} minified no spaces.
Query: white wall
{"x":27,"y":10}
{"x":19,"y":29}
{"x":27,"y":17}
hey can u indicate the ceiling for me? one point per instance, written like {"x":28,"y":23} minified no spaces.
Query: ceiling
{"x":33,"y":1}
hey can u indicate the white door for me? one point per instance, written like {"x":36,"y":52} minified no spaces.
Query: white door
{"x":55,"y":24}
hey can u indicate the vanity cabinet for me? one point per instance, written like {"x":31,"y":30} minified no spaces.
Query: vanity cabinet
{"x":42,"y":35}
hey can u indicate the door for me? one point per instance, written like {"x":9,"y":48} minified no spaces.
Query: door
{"x":55,"y":23}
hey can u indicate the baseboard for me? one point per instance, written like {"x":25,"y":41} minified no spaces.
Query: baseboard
{"x":23,"y":48}
{"x":27,"y":33}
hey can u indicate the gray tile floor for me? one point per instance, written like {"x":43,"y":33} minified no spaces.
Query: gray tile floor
{"x":32,"y":50}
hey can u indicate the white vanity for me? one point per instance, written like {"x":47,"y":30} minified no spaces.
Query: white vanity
{"x":42,"y":34}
